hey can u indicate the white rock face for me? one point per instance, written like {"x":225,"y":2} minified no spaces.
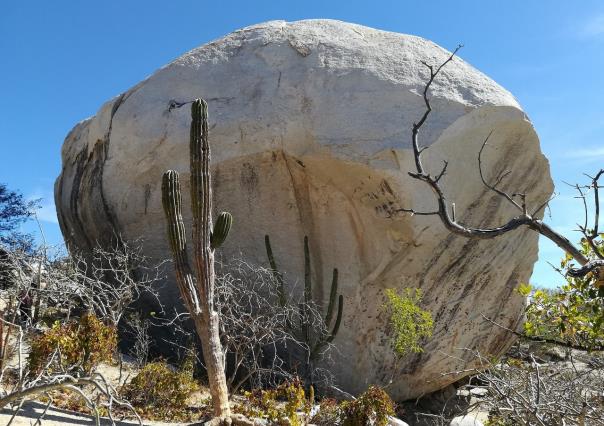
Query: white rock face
{"x":310,"y":131}
{"x":393,"y":421}
{"x":468,"y":420}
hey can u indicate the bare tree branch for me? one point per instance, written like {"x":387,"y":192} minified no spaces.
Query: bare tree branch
{"x":524,"y":219}
{"x":53,"y":377}
{"x":493,"y":187}
{"x":537,"y":339}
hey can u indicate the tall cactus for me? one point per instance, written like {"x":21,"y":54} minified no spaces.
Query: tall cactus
{"x":197,"y":290}
{"x":315,"y":344}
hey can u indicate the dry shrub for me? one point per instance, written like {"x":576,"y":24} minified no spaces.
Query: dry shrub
{"x":160,"y":391}
{"x":84,"y":344}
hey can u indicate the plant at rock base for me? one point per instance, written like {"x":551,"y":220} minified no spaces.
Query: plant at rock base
{"x":198,"y":291}
{"x":409,"y":323}
{"x":84,"y":343}
{"x":315,"y":342}
{"x":161,"y":391}
{"x":372,"y":407}
{"x":283,"y":405}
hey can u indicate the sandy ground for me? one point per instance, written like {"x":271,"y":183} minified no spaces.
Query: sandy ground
{"x":57,"y":417}
{"x":54,"y":416}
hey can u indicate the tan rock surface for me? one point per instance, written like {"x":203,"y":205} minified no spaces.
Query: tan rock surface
{"x":310,"y":131}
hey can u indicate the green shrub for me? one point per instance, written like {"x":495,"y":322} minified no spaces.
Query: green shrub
{"x":161,"y":391}
{"x":329,"y":414}
{"x":409,"y":323}
{"x":260,"y":403}
{"x":85,"y":343}
{"x":295,"y":400}
{"x":574,"y":313}
{"x":373,"y":407}
{"x":275,"y":405}
{"x":495,"y":420}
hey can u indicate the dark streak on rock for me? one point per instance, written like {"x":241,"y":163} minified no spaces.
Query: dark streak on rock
{"x":147,"y":196}
{"x":88,"y":219}
{"x":77,"y":230}
{"x":100,"y":163}
{"x":249,"y":177}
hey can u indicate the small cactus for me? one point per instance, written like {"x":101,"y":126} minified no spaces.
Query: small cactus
{"x":315,"y":345}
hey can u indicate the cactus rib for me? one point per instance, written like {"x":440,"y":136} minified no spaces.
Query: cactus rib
{"x":172,"y":203}
{"x":221,"y":229}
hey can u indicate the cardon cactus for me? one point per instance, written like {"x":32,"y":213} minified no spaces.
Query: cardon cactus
{"x":197,"y":289}
{"x":315,"y":344}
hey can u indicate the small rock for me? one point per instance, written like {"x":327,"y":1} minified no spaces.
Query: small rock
{"x":236,"y":420}
{"x":241,"y":420}
{"x":463,"y":392}
{"x":467,"y":420}
{"x":393,"y":421}
{"x":547,"y":352}
{"x":479,"y":391}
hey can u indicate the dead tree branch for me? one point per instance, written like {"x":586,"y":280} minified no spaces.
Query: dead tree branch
{"x":523,"y":219}
{"x":73,"y":378}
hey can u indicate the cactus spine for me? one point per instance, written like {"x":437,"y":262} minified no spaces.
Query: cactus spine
{"x":315,"y":344}
{"x":197,"y":289}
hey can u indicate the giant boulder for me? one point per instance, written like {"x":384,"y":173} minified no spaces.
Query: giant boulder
{"x":310,"y":130}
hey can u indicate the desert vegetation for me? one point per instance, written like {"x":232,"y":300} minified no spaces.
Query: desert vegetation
{"x":65,"y":313}
{"x":62,"y":322}
{"x":525,"y":387}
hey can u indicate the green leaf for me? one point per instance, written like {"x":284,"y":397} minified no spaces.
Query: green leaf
{"x":524,"y":289}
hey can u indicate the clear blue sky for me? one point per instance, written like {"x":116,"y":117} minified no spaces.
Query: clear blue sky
{"x":60,"y":60}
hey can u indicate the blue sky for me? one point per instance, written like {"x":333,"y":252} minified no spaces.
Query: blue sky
{"x":62,"y":59}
